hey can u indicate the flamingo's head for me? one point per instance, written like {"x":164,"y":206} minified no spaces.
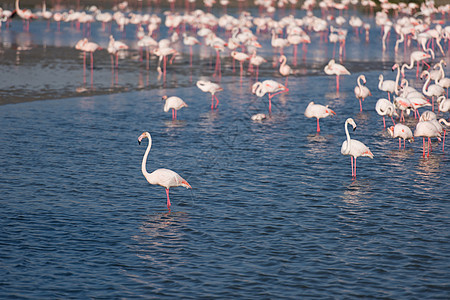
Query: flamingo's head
{"x":143,"y":136}
{"x":351,"y":122}
{"x":391,"y":131}
{"x":164,"y":97}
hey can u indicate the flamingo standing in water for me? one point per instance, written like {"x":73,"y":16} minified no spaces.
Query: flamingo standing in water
{"x":270,"y":87}
{"x":332,"y":68}
{"x":416,"y":56}
{"x":190,"y":41}
{"x":210,"y":87}
{"x":241,"y":57}
{"x":163,"y":177}
{"x":433,"y":90}
{"x":401,"y":131}
{"x":429,"y":130}
{"x":285,"y":70}
{"x":361,"y":91}
{"x":174,"y":103}
{"x":354,"y":148}
{"x":25,"y":14}
{"x":318,"y":111}
{"x":256,"y":60}
{"x":86,"y":46}
{"x":385,"y":108}
{"x":114,"y":47}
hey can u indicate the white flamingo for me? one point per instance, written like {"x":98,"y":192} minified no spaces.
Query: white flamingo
{"x":210,"y":87}
{"x":270,"y":87}
{"x":361,"y":91}
{"x":401,"y":131}
{"x":318,"y":111}
{"x":385,"y":108}
{"x":332,"y":68}
{"x":163,"y":177}
{"x":432,"y":90}
{"x":354,"y":148}
{"x":175,"y":103}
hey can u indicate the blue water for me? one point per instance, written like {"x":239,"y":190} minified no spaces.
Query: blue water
{"x":274,"y":212}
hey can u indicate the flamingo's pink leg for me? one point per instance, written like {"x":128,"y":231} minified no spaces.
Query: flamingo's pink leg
{"x":351,"y":158}
{"x":318,"y":127}
{"x":168,"y":199}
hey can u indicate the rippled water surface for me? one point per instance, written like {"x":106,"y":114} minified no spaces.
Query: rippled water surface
{"x":274,"y":212}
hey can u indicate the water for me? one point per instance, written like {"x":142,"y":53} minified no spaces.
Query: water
{"x":274,"y":212}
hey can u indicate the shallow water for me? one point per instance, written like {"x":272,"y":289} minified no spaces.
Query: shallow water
{"x":274,"y":212}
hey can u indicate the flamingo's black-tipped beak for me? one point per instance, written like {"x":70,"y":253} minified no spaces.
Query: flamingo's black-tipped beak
{"x":139,"y":142}
{"x":354,"y":128}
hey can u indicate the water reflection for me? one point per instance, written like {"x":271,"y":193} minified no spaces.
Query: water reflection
{"x":357,"y":191}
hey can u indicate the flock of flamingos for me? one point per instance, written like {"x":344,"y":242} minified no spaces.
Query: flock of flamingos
{"x":419,"y":27}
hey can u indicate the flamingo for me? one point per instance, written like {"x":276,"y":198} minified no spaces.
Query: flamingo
{"x":318,"y":111}
{"x":210,"y":87}
{"x":416,"y":56}
{"x":268,"y":86}
{"x":163,"y":52}
{"x":114,"y":47}
{"x":256,"y":60}
{"x":429,"y":130}
{"x":403,"y":104}
{"x":354,"y":148}
{"x":332,"y":68}
{"x":389,"y":86}
{"x":163,"y":177}
{"x":361,"y":91}
{"x":401,"y":131}
{"x":24,"y":14}
{"x":433,"y":90}
{"x":241,"y":57}
{"x":385,"y":108}
{"x":444,"y":104}
{"x":174,"y":103}
{"x":190,"y":41}
{"x":285,"y":70}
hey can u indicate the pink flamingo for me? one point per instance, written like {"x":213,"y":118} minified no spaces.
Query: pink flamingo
{"x":318,"y":111}
{"x":25,"y":14}
{"x":114,"y":47}
{"x":190,"y":41}
{"x":361,"y":91}
{"x":429,"y":130}
{"x":175,"y":103}
{"x":416,"y":56}
{"x":433,"y":90}
{"x":163,"y":177}
{"x":285,"y":70}
{"x":401,"y":131}
{"x":332,"y":68}
{"x":256,"y":60}
{"x":354,"y":148}
{"x":241,"y":57}
{"x":270,"y":87}
{"x":210,"y":87}
{"x":385,"y":108}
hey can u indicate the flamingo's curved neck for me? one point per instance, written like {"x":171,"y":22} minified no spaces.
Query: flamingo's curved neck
{"x":380,"y":83}
{"x":347,"y":149}
{"x":144,"y":159}
{"x":424,"y":88}
{"x":359,"y":83}
{"x":396,"y":81}
{"x":283,"y":62}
